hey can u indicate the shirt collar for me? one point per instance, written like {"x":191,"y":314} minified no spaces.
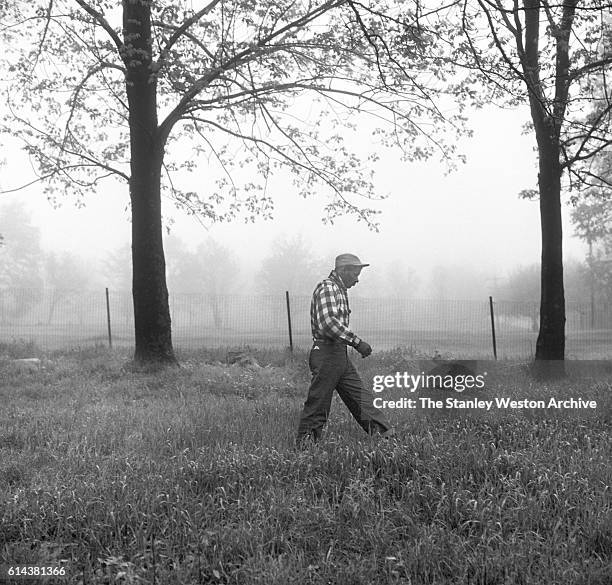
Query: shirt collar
{"x":337,"y":279}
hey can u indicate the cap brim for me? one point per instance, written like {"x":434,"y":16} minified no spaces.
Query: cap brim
{"x":350,"y":264}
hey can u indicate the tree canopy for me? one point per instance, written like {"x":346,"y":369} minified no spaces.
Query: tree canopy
{"x":242,"y":89}
{"x":554,"y":57}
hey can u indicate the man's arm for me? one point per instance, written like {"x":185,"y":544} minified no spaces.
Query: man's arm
{"x":329,"y":316}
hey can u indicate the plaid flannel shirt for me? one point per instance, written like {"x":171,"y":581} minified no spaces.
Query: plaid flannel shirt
{"x":329,"y":311}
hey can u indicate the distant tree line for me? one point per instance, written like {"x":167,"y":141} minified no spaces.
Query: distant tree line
{"x":210,"y":272}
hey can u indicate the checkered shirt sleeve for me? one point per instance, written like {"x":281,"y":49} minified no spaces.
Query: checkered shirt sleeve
{"x":329,"y":313}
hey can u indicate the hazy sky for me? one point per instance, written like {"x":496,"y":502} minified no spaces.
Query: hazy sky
{"x":470,"y":217}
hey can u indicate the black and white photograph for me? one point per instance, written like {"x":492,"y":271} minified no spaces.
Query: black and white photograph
{"x":306,"y":292}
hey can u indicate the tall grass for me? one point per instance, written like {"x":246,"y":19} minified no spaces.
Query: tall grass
{"x":190,"y":476}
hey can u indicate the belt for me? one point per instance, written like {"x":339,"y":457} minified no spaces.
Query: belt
{"x":327,"y":341}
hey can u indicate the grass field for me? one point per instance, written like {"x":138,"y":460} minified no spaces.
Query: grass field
{"x":190,"y":476}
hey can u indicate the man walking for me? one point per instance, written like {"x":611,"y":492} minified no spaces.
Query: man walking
{"x":328,"y":360}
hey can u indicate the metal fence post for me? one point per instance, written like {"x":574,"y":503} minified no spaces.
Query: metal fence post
{"x":289,"y":321}
{"x":493,"y":327}
{"x":108,"y":321}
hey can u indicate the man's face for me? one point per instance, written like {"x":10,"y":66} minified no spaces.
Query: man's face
{"x":350,"y":275}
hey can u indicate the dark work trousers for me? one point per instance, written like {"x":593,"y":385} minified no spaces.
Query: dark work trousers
{"x":332,"y":370}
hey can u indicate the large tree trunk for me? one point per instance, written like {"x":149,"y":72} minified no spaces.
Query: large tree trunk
{"x":550,"y":345}
{"x":151,"y":311}
{"x":547,"y":121}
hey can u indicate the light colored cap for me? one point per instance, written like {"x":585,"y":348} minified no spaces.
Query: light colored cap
{"x":349,"y":260}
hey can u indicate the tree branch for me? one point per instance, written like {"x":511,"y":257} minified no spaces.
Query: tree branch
{"x":252,"y":52}
{"x":592,"y":127}
{"x":328,"y":178}
{"x":44,"y":35}
{"x":499,"y":45}
{"x":73,"y":99}
{"x":562,"y":36}
{"x":54,"y":161}
{"x":197,"y":42}
{"x":180,"y":30}
{"x":599,"y":64}
{"x":99,"y":18}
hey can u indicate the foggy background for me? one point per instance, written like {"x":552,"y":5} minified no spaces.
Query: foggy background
{"x":454,"y":235}
{"x":446,"y":241}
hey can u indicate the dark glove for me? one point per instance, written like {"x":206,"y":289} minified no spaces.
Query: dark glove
{"x":364,"y":349}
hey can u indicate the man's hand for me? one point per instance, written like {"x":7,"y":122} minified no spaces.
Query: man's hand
{"x":364,"y":349}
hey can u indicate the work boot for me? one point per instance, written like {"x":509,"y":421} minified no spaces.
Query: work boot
{"x":307,"y":439}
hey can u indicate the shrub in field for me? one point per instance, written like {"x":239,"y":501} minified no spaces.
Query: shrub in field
{"x":19,"y":348}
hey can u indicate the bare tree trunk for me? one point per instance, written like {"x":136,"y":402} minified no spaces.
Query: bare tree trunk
{"x":550,"y":345}
{"x":548,"y":120}
{"x":150,"y":294}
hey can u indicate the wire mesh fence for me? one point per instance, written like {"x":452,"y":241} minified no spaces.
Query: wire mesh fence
{"x":61,"y":319}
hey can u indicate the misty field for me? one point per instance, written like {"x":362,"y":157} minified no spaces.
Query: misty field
{"x":190,"y":476}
